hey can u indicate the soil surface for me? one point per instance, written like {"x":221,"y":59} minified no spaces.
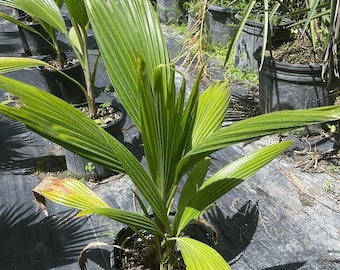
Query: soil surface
{"x":106,"y":114}
{"x":298,"y":51}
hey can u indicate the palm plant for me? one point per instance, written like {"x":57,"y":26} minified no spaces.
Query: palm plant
{"x":196,"y":41}
{"x":330,"y":68}
{"x":178,"y":136}
{"x":311,"y":19}
{"x":48,"y":14}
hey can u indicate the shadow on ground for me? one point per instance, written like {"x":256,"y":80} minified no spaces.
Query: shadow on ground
{"x":14,"y":138}
{"x":31,"y":241}
{"x":288,"y":266}
{"x":235,"y":233}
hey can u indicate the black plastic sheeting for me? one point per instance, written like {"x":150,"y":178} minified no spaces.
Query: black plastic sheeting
{"x":261,"y":224}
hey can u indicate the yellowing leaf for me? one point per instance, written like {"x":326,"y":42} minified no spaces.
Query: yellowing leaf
{"x":69,"y":192}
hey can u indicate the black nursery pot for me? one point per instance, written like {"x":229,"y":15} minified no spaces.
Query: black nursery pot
{"x":63,"y":87}
{"x":221,"y":24}
{"x":33,"y":44}
{"x":289,"y":86}
{"x":121,"y":239}
{"x":171,"y":11}
{"x":251,"y":39}
{"x":76,"y":164}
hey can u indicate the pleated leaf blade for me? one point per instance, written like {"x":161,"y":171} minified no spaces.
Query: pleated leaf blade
{"x":199,"y":256}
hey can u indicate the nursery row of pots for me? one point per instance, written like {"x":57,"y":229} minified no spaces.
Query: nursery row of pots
{"x":282,"y":85}
{"x":66,"y":75}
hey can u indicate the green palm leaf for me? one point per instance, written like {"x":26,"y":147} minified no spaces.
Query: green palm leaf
{"x":8,"y":64}
{"x":227,"y":178}
{"x":192,"y":184}
{"x":62,"y":123}
{"x":121,"y":39}
{"x":45,"y":10}
{"x":150,"y":123}
{"x":199,"y":256}
{"x":129,"y":218}
{"x":266,"y":124}
{"x":256,"y":127}
{"x":212,"y":108}
{"x":59,"y":122}
{"x":77,"y":11}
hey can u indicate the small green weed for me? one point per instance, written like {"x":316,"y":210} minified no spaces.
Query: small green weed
{"x":107,"y":89}
{"x":329,"y":186}
{"x":179,"y":28}
{"x":90,"y":167}
{"x":105,"y":105}
{"x":234,"y":74}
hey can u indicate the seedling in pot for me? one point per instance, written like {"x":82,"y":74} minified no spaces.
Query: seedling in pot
{"x":48,"y":14}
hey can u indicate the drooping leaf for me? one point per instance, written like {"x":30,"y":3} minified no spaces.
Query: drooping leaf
{"x":83,"y":255}
{"x":69,"y":192}
{"x":60,"y":122}
{"x":73,"y":193}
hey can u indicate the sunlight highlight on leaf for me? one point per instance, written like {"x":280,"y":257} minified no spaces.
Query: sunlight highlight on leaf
{"x":199,"y":256}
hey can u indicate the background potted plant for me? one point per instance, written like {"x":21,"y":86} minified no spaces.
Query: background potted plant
{"x":237,"y":25}
{"x":260,"y":24}
{"x":38,"y":16}
{"x":34,"y":43}
{"x":42,"y":33}
{"x":291,"y":75}
{"x":171,"y":11}
{"x":69,"y":82}
{"x":221,"y":19}
{"x":178,"y":137}
{"x":48,"y":14}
